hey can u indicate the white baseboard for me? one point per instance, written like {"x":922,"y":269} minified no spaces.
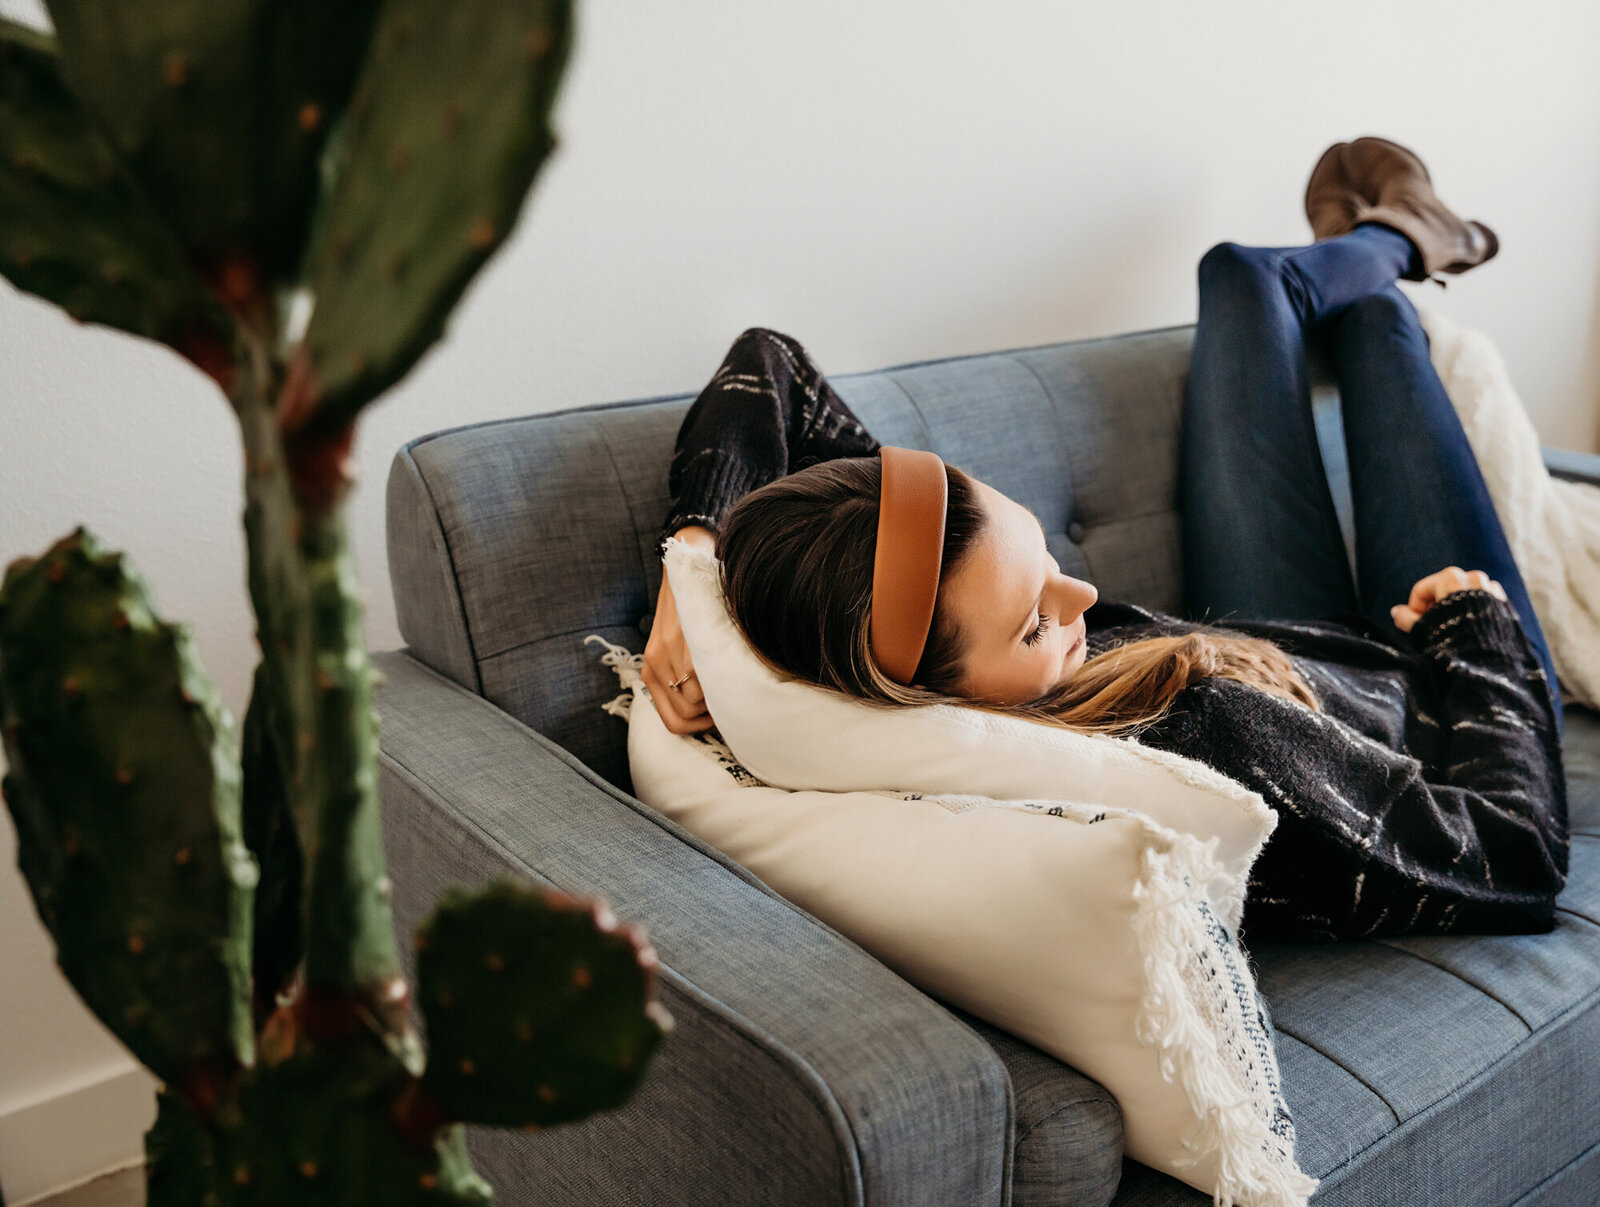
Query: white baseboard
{"x":79,"y":1133}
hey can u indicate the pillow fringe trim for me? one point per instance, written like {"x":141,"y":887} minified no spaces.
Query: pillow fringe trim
{"x":1255,"y":1166}
{"x":630,"y":672}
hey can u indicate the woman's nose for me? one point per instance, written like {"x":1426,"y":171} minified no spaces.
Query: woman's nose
{"x":1075,"y":596}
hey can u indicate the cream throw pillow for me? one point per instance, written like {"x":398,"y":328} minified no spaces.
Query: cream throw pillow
{"x":792,"y":734}
{"x":1084,"y":929}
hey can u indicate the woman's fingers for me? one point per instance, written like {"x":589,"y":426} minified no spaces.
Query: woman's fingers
{"x":666,"y":652}
{"x":1422,"y":594}
{"x":689,"y":689}
{"x":1429,"y":591}
{"x":676,"y":701}
{"x":686,"y":699}
{"x":667,"y":707}
{"x":666,"y":660}
{"x":1404,"y":617}
{"x":1483,"y":582}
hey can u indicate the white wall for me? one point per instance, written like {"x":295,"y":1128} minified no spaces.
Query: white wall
{"x":887,"y":181}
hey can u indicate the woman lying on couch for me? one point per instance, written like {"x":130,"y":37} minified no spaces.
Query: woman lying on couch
{"x":1405,"y":724}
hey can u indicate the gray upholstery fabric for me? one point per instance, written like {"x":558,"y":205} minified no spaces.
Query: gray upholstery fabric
{"x":1572,"y":465}
{"x":801,"y":1070}
{"x":430,"y":607}
{"x":1066,"y":1125}
{"x":1460,"y":1070}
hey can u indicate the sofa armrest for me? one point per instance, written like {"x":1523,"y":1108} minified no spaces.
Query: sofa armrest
{"x":801,"y":1070}
{"x":1572,"y":465}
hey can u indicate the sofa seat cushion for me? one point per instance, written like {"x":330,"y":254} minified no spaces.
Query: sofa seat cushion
{"x":1460,"y":1069}
{"x":1066,"y":1128}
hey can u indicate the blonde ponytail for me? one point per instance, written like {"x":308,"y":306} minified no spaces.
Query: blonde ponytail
{"x":1131,"y":686}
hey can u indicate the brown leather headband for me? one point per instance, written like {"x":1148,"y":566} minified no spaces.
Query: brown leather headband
{"x":905,"y":567}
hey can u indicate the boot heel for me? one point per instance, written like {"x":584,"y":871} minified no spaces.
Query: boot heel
{"x":1491,"y":242}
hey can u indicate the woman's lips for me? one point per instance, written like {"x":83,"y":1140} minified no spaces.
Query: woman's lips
{"x":1072,"y":651}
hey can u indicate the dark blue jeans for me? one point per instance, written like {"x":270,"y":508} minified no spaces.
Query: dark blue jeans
{"x":1261,"y":535}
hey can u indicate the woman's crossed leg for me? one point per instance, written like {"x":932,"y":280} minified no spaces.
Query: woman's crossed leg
{"x":1261,"y":534}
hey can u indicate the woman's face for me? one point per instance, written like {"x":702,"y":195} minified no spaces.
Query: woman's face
{"x":1020,"y":620}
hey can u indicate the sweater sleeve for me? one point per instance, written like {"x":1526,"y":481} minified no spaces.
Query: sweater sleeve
{"x":768,"y":411}
{"x":1499,"y":739}
{"x":1373,"y":841}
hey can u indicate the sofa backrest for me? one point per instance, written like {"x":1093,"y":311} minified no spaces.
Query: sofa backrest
{"x":510,"y":541}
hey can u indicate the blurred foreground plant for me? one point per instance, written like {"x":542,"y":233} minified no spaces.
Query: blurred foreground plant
{"x":293,"y":196}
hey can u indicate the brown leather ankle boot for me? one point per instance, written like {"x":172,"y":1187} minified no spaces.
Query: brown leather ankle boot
{"x":1375,"y":180}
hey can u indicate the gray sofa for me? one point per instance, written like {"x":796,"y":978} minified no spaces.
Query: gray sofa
{"x":1458,"y":1070}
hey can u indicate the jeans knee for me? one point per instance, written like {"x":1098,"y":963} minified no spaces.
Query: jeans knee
{"x":1387,"y":312}
{"x":1387,"y":306}
{"x":1227,"y":262}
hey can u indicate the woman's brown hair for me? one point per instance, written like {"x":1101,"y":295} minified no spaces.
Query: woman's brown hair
{"x":797,"y":559}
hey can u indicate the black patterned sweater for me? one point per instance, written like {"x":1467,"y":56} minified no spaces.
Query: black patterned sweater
{"x":1427,"y":795}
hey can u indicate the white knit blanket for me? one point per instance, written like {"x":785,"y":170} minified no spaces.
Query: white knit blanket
{"x":1553,"y":525}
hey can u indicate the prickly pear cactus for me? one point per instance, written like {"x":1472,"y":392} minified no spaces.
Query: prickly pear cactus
{"x":497,"y":973}
{"x":76,"y":228}
{"x":419,"y":209}
{"x":293,"y":195}
{"x":221,"y":110}
{"x":125,"y":790}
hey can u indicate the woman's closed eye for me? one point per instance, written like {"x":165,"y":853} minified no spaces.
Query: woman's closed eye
{"x":1038,"y":632}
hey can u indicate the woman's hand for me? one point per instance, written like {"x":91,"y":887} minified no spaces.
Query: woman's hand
{"x":1435,"y":587}
{"x":666,"y":656}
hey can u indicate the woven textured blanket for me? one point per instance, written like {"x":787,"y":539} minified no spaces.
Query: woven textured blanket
{"x":1553,"y":526}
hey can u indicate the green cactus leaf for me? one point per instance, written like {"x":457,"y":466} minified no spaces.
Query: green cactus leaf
{"x":74,"y":228}
{"x":180,"y":1157}
{"x":450,"y":125}
{"x":221,"y":109}
{"x":540,"y":1007}
{"x":269,"y":832}
{"x":321,"y":1127}
{"x":124,"y":783}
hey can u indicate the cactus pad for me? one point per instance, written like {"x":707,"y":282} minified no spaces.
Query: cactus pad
{"x":76,"y":230}
{"x":449,"y":126}
{"x":220,"y":109}
{"x":319,"y":1127}
{"x":540,"y":1008}
{"x":125,"y":788}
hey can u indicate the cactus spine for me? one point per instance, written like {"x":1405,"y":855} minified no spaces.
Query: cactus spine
{"x":203,"y":176}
